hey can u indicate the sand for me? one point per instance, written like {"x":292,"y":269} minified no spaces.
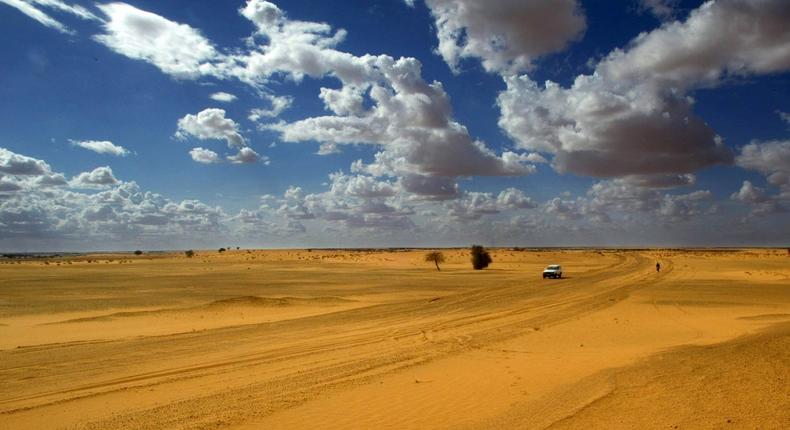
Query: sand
{"x":380,"y":339}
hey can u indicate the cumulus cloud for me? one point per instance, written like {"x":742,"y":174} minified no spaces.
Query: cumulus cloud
{"x":223,"y":97}
{"x":100,"y":177}
{"x":772,"y":159}
{"x":412,"y":121}
{"x":38,"y":211}
{"x":101,"y":147}
{"x":360,"y":186}
{"x":728,"y":37}
{"x":429,"y":187}
{"x":635,"y":108}
{"x":758,"y":199}
{"x":278,"y":104}
{"x":627,"y":196}
{"x":472,"y":206}
{"x":210,"y":124}
{"x":410,"y":118}
{"x":512,"y":198}
{"x":295,"y":48}
{"x":246,"y":155}
{"x":34,"y":10}
{"x":597,"y":129}
{"x":204,"y":156}
{"x":353,"y":203}
{"x":750,"y":194}
{"x":507,"y":35}
{"x":176,"y":49}
{"x":21,"y":165}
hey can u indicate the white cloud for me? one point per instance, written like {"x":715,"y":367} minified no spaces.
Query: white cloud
{"x":278,"y":105}
{"x":772,"y":159}
{"x":33,"y":9}
{"x":750,"y":194}
{"x":634,"y":107}
{"x":100,"y":177}
{"x":507,"y":35}
{"x":595,"y":125}
{"x":625,"y":197}
{"x":728,"y":37}
{"x":223,"y":97}
{"x":512,"y":198}
{"x":360,"y":186}
{"x":210,"y":124}
{"x":472,"y":206}
{"x":758,"y":199}
{"x":662,"y":9}
{"x":204,"y":156}
{"x":176,"y":49}
{"x":38,"y":212}
{"x":247,"y":156}
{"x":294,"y":48}
{"x":430,"y":187}
{"x":101,"y":147}
{"x":411,"y":120}
{"x":21,"y":165}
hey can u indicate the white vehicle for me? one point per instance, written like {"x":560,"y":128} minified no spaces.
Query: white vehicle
{"x":552,"y":271}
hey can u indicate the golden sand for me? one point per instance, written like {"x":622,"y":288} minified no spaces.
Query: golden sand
{"x":381,"y":339}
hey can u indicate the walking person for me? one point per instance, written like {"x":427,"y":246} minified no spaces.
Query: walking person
{"x":658,"y":266}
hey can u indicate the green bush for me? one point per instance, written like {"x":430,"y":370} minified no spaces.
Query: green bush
{"x":189,"y":253}
{"x":480,"y":257}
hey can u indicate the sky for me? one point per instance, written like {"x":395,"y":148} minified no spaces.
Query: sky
{"x":393,"y":123}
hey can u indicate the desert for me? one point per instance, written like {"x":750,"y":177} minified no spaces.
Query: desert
{"x":338,"y":339}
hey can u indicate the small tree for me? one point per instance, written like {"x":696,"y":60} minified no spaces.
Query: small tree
{"x":480,"y":257}
{"x":189,"y":253}
{"x":138,"y":252}
{"x":436,"y":257}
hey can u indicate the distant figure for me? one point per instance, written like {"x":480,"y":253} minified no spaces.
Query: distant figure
{"x":658,"y":267}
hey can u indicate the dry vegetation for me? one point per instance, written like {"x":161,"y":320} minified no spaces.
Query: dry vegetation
{"x":380,"y":339}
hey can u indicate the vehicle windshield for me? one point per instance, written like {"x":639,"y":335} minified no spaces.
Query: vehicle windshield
{"x":553,"y":267}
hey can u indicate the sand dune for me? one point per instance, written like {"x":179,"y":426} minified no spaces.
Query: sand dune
{"x":380,"y":339}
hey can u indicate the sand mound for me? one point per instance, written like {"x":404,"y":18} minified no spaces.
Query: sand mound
{"x":743,"y":383}
{"x":216,"y":306}
{"x":255,"y":301}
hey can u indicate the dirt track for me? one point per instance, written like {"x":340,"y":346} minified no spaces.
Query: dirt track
{"x":331,"y":339}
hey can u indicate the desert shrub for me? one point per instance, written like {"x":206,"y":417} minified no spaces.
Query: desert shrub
{"x":138,"y":252}
{"x":436,"y":257}
{"x":222,"y":250}
{"x":480,"y":257}
{"x":189,"y":253}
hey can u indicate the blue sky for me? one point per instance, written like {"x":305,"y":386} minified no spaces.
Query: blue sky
{"x":394,"y":123}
